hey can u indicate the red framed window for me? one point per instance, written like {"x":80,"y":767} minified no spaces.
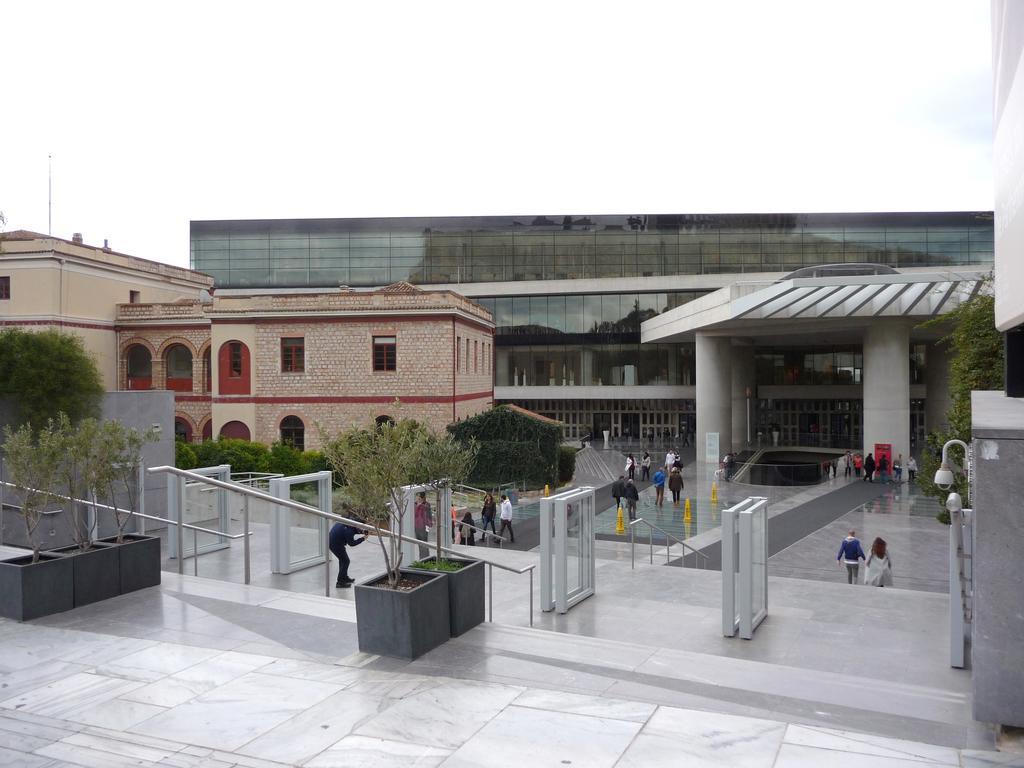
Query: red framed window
{"x":384,"y":353}
{"x":235,"y":360}
{"x":293,"y":432}
{"x":5,"y":287}
{"x":467,"y":355}
{"x":476,"y":356}
{"x":293,"y":355}
{"x":458,"y":353}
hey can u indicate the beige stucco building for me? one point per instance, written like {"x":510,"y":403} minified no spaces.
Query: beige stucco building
{"x":262,"y":367}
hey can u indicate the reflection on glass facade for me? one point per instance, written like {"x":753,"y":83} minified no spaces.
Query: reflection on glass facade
{"x":810,"y":365}
{"x":365,"y":252}
{"x":653,"y":419}
{"x":594,"y":365}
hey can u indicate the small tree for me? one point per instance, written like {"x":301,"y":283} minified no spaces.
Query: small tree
{"x":115,"y":469}
{"x":33,"y":464}
{"x":77,"y":470}
{"x":444,"y":462}
{"x":376,"y":465}
{"x":45,"y":373}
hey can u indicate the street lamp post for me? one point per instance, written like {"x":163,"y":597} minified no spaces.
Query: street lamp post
{"x":961,"y":547}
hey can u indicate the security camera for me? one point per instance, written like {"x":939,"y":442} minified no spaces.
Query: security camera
{"x":954,"y":503}
{"x":944,"y":477}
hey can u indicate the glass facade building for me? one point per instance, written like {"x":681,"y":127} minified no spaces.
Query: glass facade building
{"x":473,"y":249}
{"x":569,"y":293}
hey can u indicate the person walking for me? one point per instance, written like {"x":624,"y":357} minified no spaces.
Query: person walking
{"x":659,"y":488}
{"x":897,"y":468}
{"x":883,"y":468}
{"x":677,"y":460}
{"x":487,"y":513}
{"x":675,"y":484}
{"x":670,"y":460}
{"x":468,"y":531}
{"x":343,"y":535}
{"x":911,"y":468}
{"x":645,"y":466}
{"x":858,"y":464}
{"x":630,"y":467}
{"x":878,"y":567}
{"x":423,"y":518}
{"x":869,"y":468}
{"x":850,"y":555}
{"x":506,"y":519}
{"x":632,"y":497}
{"x":617,"y":488}
{"x":847,"y":464}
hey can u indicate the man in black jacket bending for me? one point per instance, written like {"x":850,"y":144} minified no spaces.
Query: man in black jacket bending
{"x":342,"y":536}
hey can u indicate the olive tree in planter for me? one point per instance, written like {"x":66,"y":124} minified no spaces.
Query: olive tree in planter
{"x":445,"y":462}
{"x":402,"y":612}
{"x":116,"y":478}
{"x":95,"y":564}
{"x":41,"y":583}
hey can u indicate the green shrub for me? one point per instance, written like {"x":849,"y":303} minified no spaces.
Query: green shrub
{"x":315,"y":461}
{"x":566,"y":463}
{"x":512,"y":446}
{"x":242,"y":455}
{"x":286,"y":460}
{"x":185,"y":455}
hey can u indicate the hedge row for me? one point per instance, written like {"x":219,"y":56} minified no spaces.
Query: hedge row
{"x":513,"y":446}
{"x":566,"y":463}
{"x":246,"y":456}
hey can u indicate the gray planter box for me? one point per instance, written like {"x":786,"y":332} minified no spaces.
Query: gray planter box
{"x":97,"y":572}
{"x":139,"y":561}
{"x":403,"y":623}
{"x":29,"y":590}
{"x":465,"y":594}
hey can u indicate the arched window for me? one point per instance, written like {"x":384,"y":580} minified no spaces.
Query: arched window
{"x":235,"y":429}
{"x":384,"y":419}
{"x":140,"y":367}
{"x":233,"y":368}
{"x":293,"y":432}
{"x":178,"y":362}
{"x":182,"y":430}
{"x":207,"y":430}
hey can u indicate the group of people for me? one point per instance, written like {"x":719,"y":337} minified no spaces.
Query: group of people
{"x":877,"y":565}
{"x":624,"y":489}
{"x":866,"y":467}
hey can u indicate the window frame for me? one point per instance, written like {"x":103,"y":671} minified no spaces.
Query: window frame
{"x":233,"y":371}
{"x":384,"y":344}
{"x":293,"y":355}
{"x":5,"y":287}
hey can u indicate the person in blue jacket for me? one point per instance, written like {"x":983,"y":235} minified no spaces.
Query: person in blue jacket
{"x":342,"y":536}
{"x":850,"y":555}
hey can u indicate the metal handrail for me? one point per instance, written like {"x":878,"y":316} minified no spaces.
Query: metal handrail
{"x":248,"y":493}
{"x":650,"y":540}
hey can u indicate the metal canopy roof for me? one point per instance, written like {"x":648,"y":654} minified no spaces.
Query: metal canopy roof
{"x":859,"y":299}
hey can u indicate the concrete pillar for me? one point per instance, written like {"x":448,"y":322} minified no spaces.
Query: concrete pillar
{"x":887,"y":387}
{"x":714,"y":393}
{"x":744,"y":377}
{"x":936,"y":381}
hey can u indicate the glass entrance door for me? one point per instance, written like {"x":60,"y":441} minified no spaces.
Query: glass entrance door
{"x":299,"y":539}
{"x":204,"y":506}
{"x":567,"y":549}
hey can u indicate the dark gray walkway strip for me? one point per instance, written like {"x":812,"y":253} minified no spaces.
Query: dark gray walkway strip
{"x":793,"y":524}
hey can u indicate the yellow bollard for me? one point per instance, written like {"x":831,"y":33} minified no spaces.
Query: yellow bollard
{"x":547,"y":490}
{"x":687,"y":513}
{"x":714,"y":493}
{"x":620,"y":524}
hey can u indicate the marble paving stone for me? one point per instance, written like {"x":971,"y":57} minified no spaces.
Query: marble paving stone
{"x":115,"y":713}
{"x":444,"y":716}
{"x":369,"y":752}
{"x":245,"y":760}
{"x":974,"y":758}
{"x":311,"y":670}
{"x":198,"y":679}
{"x":15,"y":759}
{"x":705,"y":739}
{"x":157,"y":661}
{"x":39,"y":674}
{"x":339,"y":610}
{"x":118,"y":747}
{"x":393,"y":688}
{"x":866,"y":744}
{"x":319,"y":727}
{"x":234,"y":714}
{"x":521,"y":736}
{"x":580,"y":704}
{"x":21,"y":742}
{"x":542,"y":672}
{"x":797,"y":756}
{"x":90,"y":758}
{"x":180,"y":637}
{"x":135,"y":738}
{"x":20,"y":725}
{"x":62,"y":697}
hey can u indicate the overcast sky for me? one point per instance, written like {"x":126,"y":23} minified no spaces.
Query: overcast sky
{"x":158,"y":113}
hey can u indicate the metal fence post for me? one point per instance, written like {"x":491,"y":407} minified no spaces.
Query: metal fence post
{"x":195,"y":552}
{"x":245,"y":525}
{"x":650,"y":542}
{"x":180,"y":536}
{"x":531,"y":597}
{"x":632,"y":549}
{"x":490,"y":592}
